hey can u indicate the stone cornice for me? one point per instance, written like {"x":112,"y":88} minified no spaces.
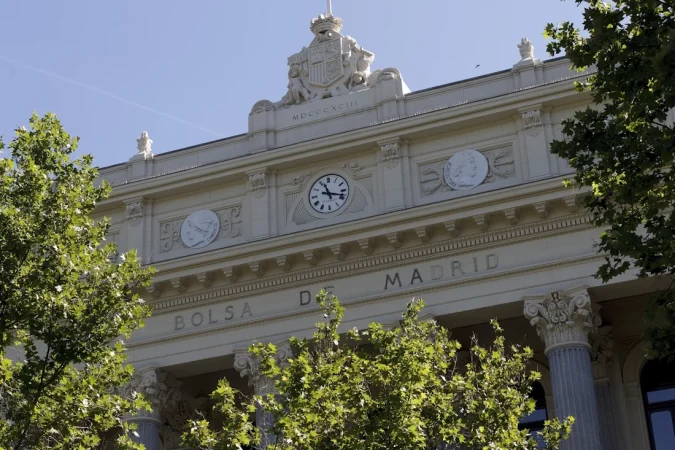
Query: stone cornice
{"x":519,"y":196}
{"x":381,"y":261}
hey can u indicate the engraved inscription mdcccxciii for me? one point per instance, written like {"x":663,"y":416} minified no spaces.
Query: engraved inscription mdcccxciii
{"x":325,"y":111}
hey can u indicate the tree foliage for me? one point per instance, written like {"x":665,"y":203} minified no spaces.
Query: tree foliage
{"x":622,"y":147}
{"x":64,"y":299}
{"x":383,"y":389}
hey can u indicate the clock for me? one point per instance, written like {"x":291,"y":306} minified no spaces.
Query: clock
{"x":328,"y":194}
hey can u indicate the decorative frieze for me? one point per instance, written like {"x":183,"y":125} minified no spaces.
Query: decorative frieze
{"x":563,"y":319}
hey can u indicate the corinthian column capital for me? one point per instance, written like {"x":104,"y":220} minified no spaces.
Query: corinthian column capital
{"x":248,"y":365}
{"x":563,"y":318}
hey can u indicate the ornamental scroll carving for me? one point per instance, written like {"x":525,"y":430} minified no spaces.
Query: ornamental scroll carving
{"x":134,"y":212}
{"x":170,"y":231}
{"x":391,"y":154}
{"x":501,"y":165}
{"x":562,"y":318}
{"x":533,"y":124}
{"x":158,"y":388}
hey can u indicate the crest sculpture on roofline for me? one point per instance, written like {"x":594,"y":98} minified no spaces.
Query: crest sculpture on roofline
{"x":332,"y":65}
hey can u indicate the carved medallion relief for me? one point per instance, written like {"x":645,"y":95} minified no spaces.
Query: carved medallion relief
{"x":200,"y":229}
{"x":467,"y":170}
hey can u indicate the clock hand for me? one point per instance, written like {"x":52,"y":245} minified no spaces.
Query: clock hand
{"x":330,"y":194}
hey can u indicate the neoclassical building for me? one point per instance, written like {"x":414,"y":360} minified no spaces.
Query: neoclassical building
{"x":353,"y":183}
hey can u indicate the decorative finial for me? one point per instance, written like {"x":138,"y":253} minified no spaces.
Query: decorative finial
{"x":526,"y":49}
{"x":145,"y":145}
{"x":329,"y":11}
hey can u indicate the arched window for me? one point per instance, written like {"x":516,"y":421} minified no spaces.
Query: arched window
{"x":658,"y":391}
{"x":535,"y":421}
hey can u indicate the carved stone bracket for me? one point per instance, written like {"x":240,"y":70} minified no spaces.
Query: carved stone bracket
{"x":423,"y":234}
{"x":511,"y":215}
{"x":391,"y":154}
{"x":395,"y":239}
{"x":481,"y":221}
{"x":366,"y":245}
{"x":338,"y":251}
{"x":154,"y":290}
{"x":205,"y":279}
{"x":257,"y":268}
{"x":572,"y":203}
{"x":311,"y":256}
{"x":542,"y":209}
{"x":563,"y":319}
{"x":231,"y":273}
{"x":284,"y":262}
{"x":533,"y":124}
{"x":452,"y":227}
{"x":179,"y":284}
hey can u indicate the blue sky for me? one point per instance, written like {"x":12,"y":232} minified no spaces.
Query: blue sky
{"x":189,"y":71}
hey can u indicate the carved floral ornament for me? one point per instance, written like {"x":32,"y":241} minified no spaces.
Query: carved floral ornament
{"x":563,"y":319}
{"x":391,"y":154}
{"x":533,"y":123}
{"x":158,"y":388}
{"x":134,"y":210}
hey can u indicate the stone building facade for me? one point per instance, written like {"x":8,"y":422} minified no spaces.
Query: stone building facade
{"x":355,"y":184}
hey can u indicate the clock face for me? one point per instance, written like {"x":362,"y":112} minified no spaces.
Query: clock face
{"x":328,"y":194}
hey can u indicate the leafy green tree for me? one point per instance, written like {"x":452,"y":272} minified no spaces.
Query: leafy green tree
{"x":64,"y":300}
{"x":383,"y":389}
{"x":622,"y":147}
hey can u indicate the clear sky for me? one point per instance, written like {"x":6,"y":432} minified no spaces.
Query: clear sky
{"x":189,"y":71}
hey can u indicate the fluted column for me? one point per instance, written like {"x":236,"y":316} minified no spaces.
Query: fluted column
{"x":563,"y":320}
{"x":248,"y":365}
{"x":159,"y":392}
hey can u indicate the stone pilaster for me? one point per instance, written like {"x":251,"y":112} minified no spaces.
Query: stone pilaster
{"x":160,"y":391}
{"x":248,"y":365}
{"x":392,"y":162}
{"x":137,"y":217}
{"x":564,"y":320}
{"x":601,"y":353}
{"x":260,"y":198}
